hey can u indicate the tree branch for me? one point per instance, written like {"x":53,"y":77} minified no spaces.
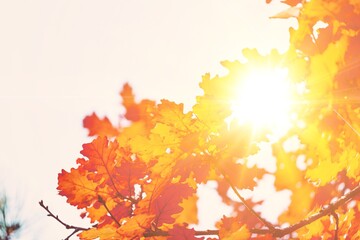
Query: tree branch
{"x":158,"y":233}
{"x":67,"y":226}
{"x":326,"y":210}
{"x":275,"y":232}
{"x":280,"y":232}
{"x":266,"y":223}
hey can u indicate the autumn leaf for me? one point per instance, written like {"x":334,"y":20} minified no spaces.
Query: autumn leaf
{"x":292,"y":2}
{"x":172,"y":114}
{"x":288,"y":175}
{"x":161,"y":141}
{"x":135,"y":111}
{"x":135,"y":227}
{"x":168,"y":202}
{"x":212,"y":109}
{"x":230,"y":228}
{"x":79,"y":190}
{"x":100,"y":159}
{"x":189,"y":214}
{"x":100,"y":127}
{"x":299,"y":206}
{"x":143,"y":182}
{"x":108,"y":232}
{"x":82,"y":193}
{"x":182,"y":233}
{"x":197,"y":165}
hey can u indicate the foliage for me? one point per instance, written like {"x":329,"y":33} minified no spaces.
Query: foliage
{"x":139,"y":179}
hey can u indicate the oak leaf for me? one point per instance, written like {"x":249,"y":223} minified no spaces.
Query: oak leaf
{"x":182,"y":233}
{"x":168,"y":202}
{"x":100,"y":127}
{"x":107,"y":232}
{"x":231,"y":228}
{"x":135,"y":227}
{"x":135,"y":111}
{"x":79,"y":190}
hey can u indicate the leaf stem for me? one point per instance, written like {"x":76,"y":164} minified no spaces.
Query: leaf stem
{"x":102,"y":201}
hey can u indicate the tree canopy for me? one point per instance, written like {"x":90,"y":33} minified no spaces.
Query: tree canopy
{"x":138,"y":179}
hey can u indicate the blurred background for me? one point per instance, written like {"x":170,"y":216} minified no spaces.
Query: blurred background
{"x":63,"y":60}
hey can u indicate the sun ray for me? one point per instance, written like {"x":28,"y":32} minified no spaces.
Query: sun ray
{"x":264,"y":100}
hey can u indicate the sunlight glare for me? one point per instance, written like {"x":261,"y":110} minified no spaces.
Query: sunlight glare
{"x":264,"y":99}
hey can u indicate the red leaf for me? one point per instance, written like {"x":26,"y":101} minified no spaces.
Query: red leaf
{"x":292,"y":2}
{"x":167,"y":203}
{"x":79,"y":190}
{"x":101,"y":156}
{"x":232,"y":228}
{"x":135,"y":111}
{"x":101,"y":127}
{"x":109,"y":164}
{"x":182,"y":233}
{"x":198,"y":165}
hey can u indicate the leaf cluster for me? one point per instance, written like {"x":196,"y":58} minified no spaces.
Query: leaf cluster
{"x":139,"y":179}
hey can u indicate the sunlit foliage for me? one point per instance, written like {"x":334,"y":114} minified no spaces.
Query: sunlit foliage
{"x":139,"y":178}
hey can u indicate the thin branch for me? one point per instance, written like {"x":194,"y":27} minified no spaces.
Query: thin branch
{"x":326,"y":210}
{"x":266,"y":223}
{"x":280,"y":232}
{"x":275,"y":232}
{"x":102,"y":201}
{"x":67,"y":226}
{"x":159,"y":233}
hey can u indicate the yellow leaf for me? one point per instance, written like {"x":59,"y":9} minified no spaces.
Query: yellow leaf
{"x":325,"y":171}
{"x":324,"y":67}
{"x":135,"y":226}
{"x":300,"y":205}
{"x":106,"y":232}
{"x":189,"y":214}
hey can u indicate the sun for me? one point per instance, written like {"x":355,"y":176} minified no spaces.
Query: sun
{"x":264,"y":99}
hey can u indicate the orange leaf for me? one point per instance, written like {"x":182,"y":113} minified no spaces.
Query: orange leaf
{"x":135,"y":111}
{"x":182,"y":233}
{"x":79,"y":190}
{"x":231,"y":228}
{"x":101,"y":156}
{"x":101,"y":127}
{"x":136,"y":226}
{"x":105,"y":233}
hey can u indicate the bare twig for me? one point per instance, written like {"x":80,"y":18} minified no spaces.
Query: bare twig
{"x":67,"y":226}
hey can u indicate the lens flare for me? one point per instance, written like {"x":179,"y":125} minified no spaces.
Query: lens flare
{"x":264,"y":98}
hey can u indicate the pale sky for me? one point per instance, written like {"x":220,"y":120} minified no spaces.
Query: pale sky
{"x":62,"y":60}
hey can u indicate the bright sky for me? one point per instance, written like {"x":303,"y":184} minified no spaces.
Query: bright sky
{"x":62,"y":60}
